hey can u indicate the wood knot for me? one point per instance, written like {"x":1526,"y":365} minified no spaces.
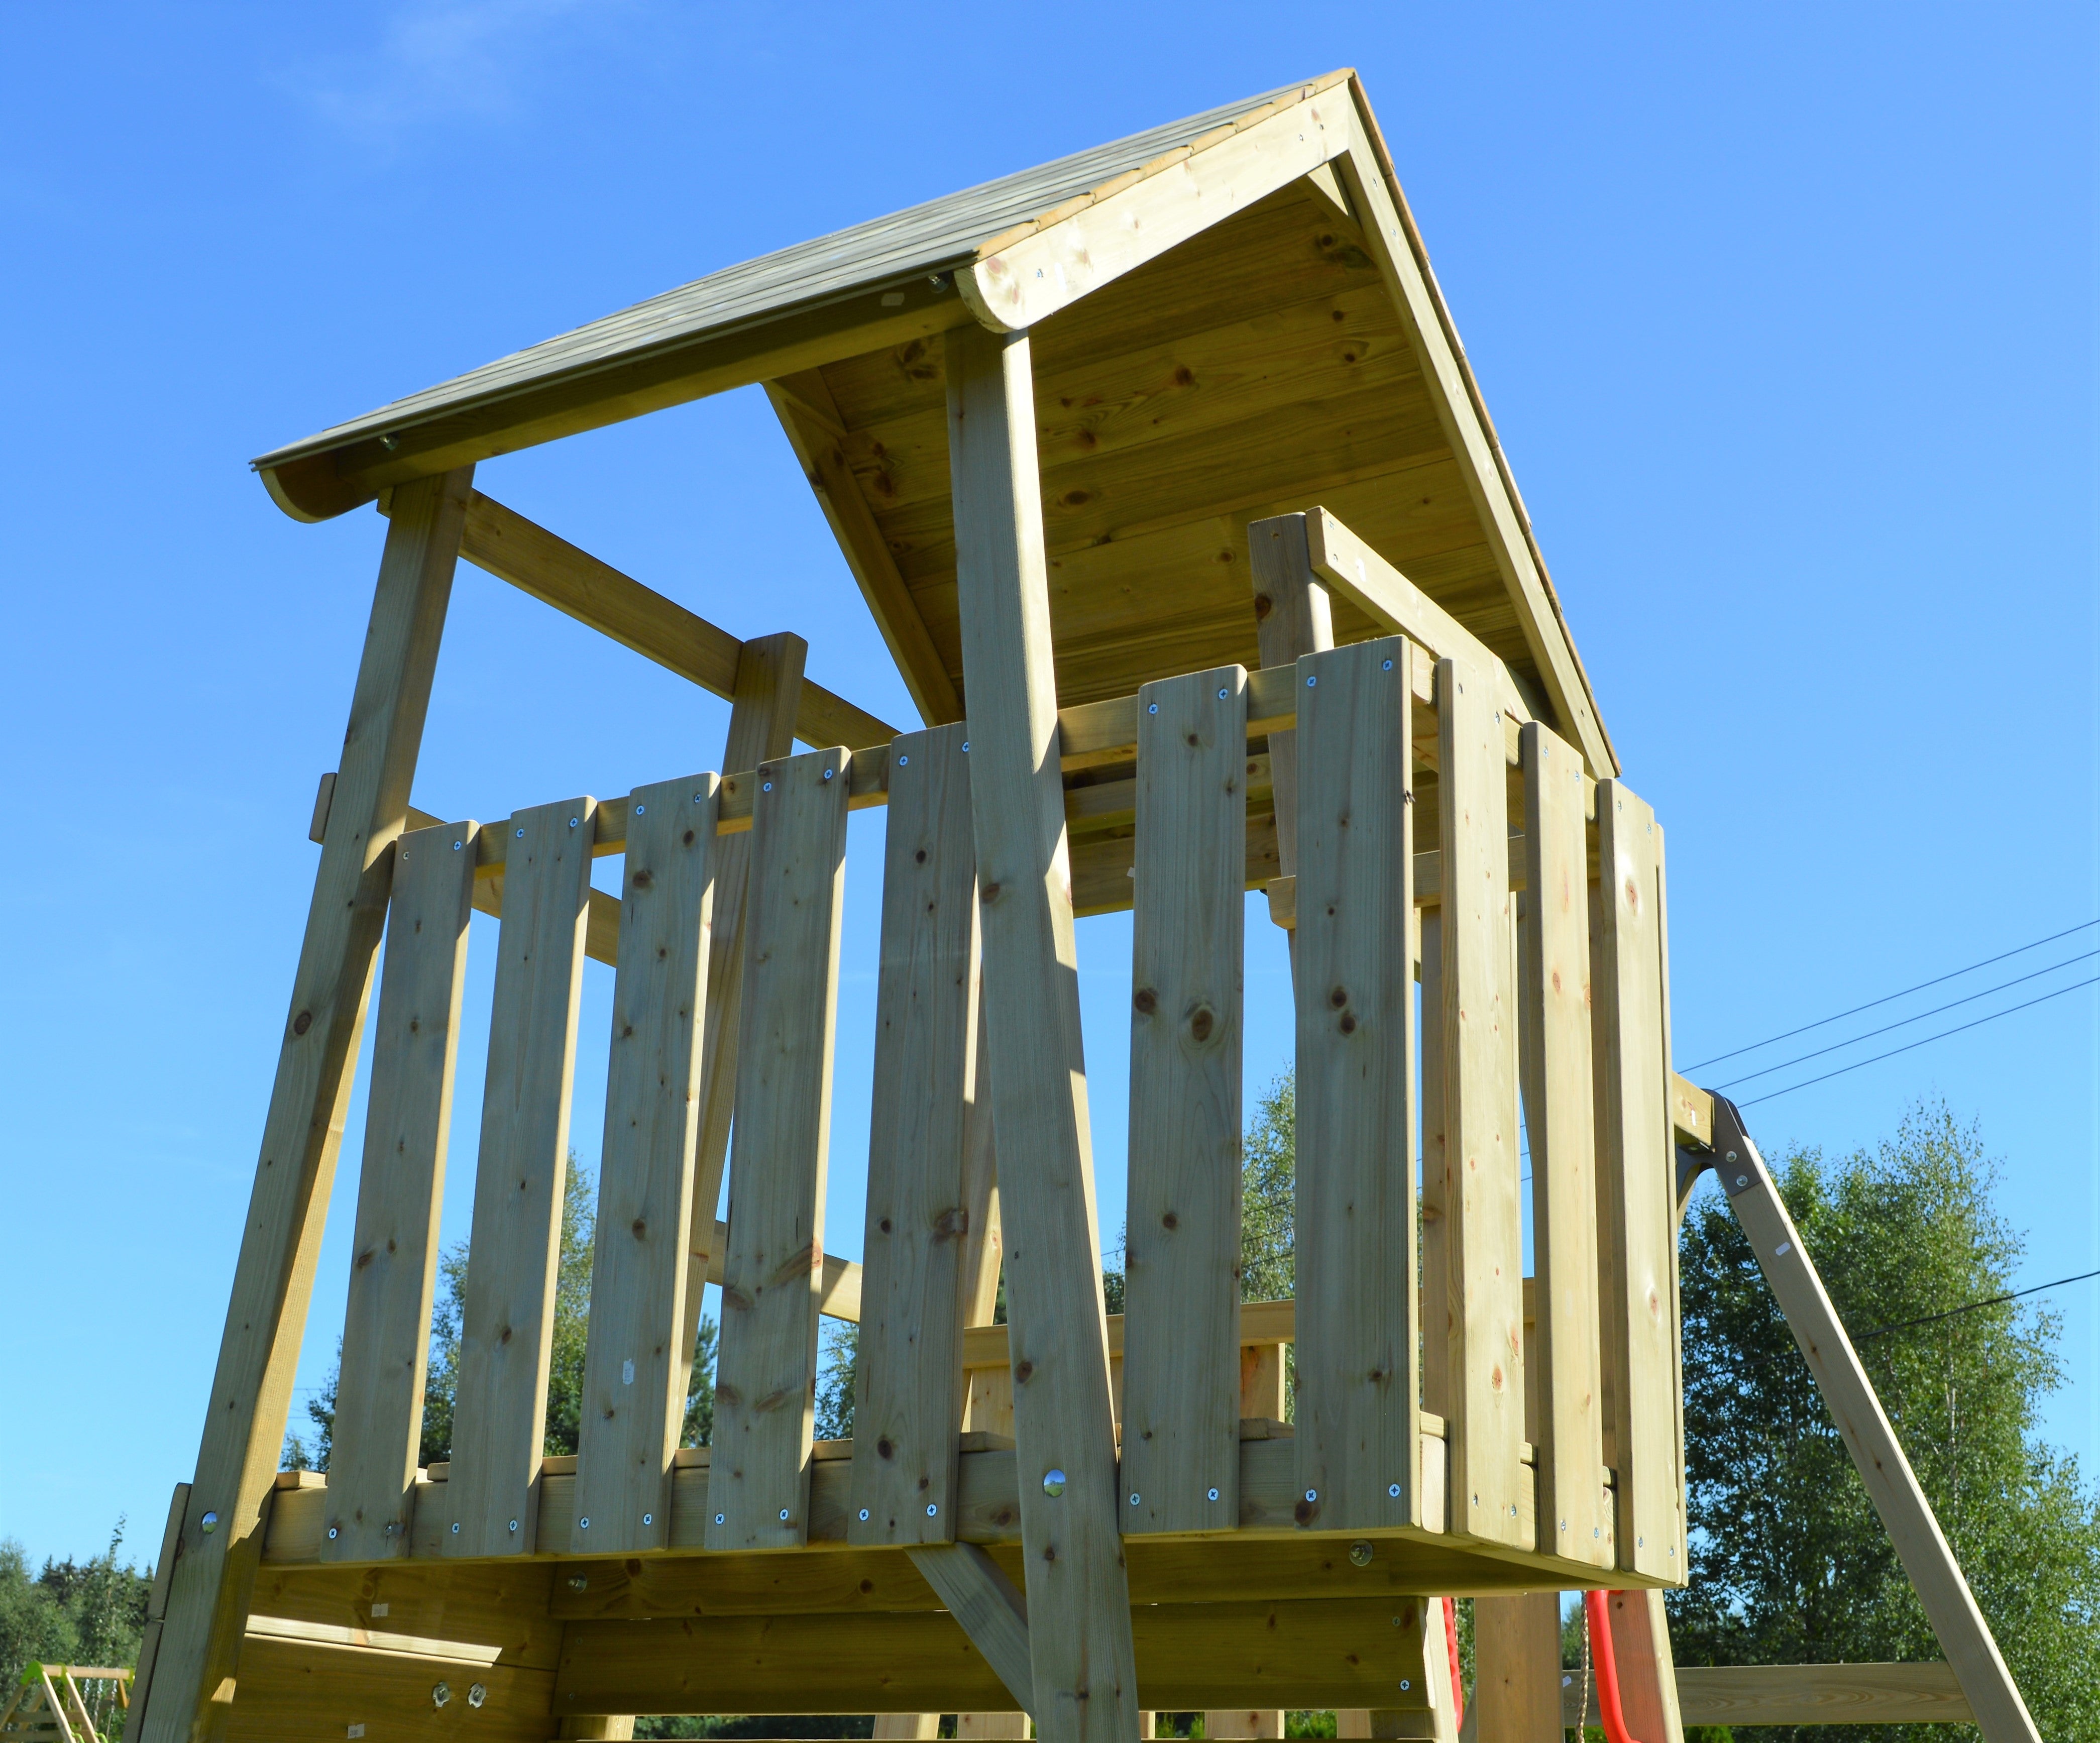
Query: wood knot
{"x":1339,"y":997}
{"x":1348,"y":1023}
{"x":884,"y":1449}
{"x":991,"y":892}
{"x":1146,"y":1000}
{"x":645,"y":879}
{"x":1203,"y":1022}
{"x":1170,"y":1221}
{"x":302,"y":1023}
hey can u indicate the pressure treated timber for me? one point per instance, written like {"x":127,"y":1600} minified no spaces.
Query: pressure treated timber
{"x":1181,"y":1361}
{"x":1516,"y":1658}
{"x":909,"y":1385}
{"x":810,"y":420}
{"x":1949,"y":1605}
{"x":1809,"y":1694}
{"x":635,"y":1369}
{"x":378,"y":1425}
{"x":1483,"y":1232}
{"x":1636,"y":1169}
{"x":1562,"y":1361}
{"x":507,"y":1316}
{"x":199,"y":1645}
{"x":1434,"y":1184}
{"x":1086,"y":1684}
{"x":764,"y":1387}
{"x":308,"y":1690}
{"x":1358,"y":1462}
{"x":156,"y":1594}
{"x":555,"y":572}
{"x":761,"y":727}
{"x":987,"y":1605}
{"x":1647,"y":1680}
{"x":1309,"y":1653}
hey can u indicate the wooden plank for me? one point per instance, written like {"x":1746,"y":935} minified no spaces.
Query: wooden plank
{"x":507,"y":1317}
{"x":1636,"y":1202}
{"x":636,"y":1369}
{"x":1484,"y":1242}
{"x":265,"y":1319}
{"x":1435,"y":1187}
{"x":761,"y":727}
{"x":557,"y":573}
{"x":987,"y":1605}
{"x":758,"y":1489}
{"x":1388,"y":232}
{"x":156,"y":1596}
{"x":810,"y":420}
{"x":983,"y":1241}
{"x":1647,"y":1680}
{"x":1181,"y":1364}
{"x":1086,"y":1681}
{"x":908,"y":1725}
{"x":909,"y":1385}
{"x":378,"y":1426}
{"x":1516,"y":1655}
{"x":1818,"y":1694}
{"x":1358,"y":1462}
{"x":1561,"y":1122}
{"x":1891,"y":1485}
{"x":304,"y":1691}
{"x":1314,"y":1653}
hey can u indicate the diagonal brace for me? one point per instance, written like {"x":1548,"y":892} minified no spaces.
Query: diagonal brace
{"x":991,"y":1610}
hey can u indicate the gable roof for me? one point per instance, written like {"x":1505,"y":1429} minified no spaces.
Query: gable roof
{"x":1263,"y":208}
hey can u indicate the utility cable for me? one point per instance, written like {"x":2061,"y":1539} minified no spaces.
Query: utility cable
{"x":1927,"y":1319}
{"x":1955,"y":974}
{"x":1906,"y":1022}
{"x":1773,"y":1095}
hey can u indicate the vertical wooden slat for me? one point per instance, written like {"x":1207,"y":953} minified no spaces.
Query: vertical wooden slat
{"x":762,"y":728}
{"x":1358,"y":1454}
{"x":1483,"y":1241}
{"x":1517,"y":1653}
{"x":635,"y":1367}
{"x":758,"y":1481}
{"x":1635,"y":1170}
{"x":200,"y":1649}
{"x":908,"y":1387}
{"x":1436,"y":1292}
{"x":1181,"y":1344}
{"x":1559,"y":1120}
{"x":507,"y":1319}
{"x":1648,"y":1671}
{"x":400,"y":1192}
{"x":1078,"y":1597}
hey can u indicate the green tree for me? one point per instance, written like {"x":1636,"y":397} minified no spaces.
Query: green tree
{"x":91,"y":1613}
{"x":1790,"y":1563}
{"x":1268,"y":1184}
{"x":565,"y":1367}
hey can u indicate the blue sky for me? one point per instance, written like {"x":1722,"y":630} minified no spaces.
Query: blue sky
{"x":1785,"y":315}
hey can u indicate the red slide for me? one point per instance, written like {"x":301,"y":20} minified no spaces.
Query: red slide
{"x":1607,"y":1668}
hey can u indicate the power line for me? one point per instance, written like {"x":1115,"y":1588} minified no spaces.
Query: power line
{"x":1927,"y":1319}
{"x":1773,"y":1095}
{"x":1955,"y":974}
{"x":1905,"y":1022}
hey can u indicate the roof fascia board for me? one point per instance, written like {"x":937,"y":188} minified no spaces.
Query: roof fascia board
{"x":1390,"y":230}
{"x":328,"y":481}
{"x":1034,"y":270}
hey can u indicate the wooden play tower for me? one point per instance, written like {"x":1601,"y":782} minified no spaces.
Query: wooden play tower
{"x":1164,"y":474}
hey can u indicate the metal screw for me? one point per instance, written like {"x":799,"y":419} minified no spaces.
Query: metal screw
{"x":1563,"y":1525}
{"x":578,"y":1583}
{"x":572,"y":822}
{"x":720,"y":1517}
{"x":1311,"y":1494}
{"x":1152,"y":708}
{"x":476,"y":1694}
{"x":766,"y":786}
{"x":513,"y":1525}
{"x":1221,"y":696}
{"x":1387,"y":667}
{"x":1512,"y":1510}
{"x":640,"y":809}
{"x":966,"y":747}
{"x":521,"y":835}
{"x":1312,"y":681}
{"x":697,"y":797}
{"x":1133,"y":1498}
{"x":829,"y":772}
{"x":456,"y":847}
{"x":1392,"y":1489}
{"x":455,"y":1531}
{"x":1672,"y":1552}
{"x":784,"y":1516}
{"x":331,"y":1533}
{"x":863,"y":1512}
{"x":583,"y":1524}
{"x":902,"y":761}
{"x":1640,"y":1542}
{"x":1404,"y":1685}
{"x":1731,"y":1155}
{"x":648,"y":1519}
{"x":1742,"y":1180}
{"x":210,"y":1522}
{"x":1360,"y":1553}
{"x":1211,"y":1494}
{"x":933,"y":1510}
{"x":440,"y":1694}
{"x":1053,"y":1481}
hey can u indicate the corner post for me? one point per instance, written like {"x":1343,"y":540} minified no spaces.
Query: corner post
{"x":221,"y":1541}
{"x":1078,"y":1597}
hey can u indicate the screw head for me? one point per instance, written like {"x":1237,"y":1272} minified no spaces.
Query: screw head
{"x":583,"y":1524}
{"x":1386,"y":667}
{"x":1133,"y":1498}
{"x":572,"y":822}
{"x":331,"y":1533}
{"x":829,"y":772}
{"x":966,"y":747}
{"x":1221,"y":694}
{"x":1640,"y":1542}
{"x":902,"y":761}
{"x":640,"y":809}
{"x":784,"y":1516}
{"x":1311,"y":682}
{"x":863,"y":1512}
{"x":521,"y":835}
{"x":1311,"y":1494}
{"x":766,"y":786}
{"x":513,"y":1525}
{"x":209,"y":1522}
{"x":721,"y":1517}
{"x":1360,"y":1553}
{"x":456,"y":847}
{"x":578,"y":1583}
{"x":1211,"y":1494}
{"x":1053,"y":1481}
{"x":1152,"y":708}
{"x":933,"y":1510}
{"x":1404,"y":1685}
{"x":455,"y":1531}
{"x":1393,"y":1491}
{"x":648,"y":1519}
{"x":440,"y":1693}
{"x":476,"y":1694}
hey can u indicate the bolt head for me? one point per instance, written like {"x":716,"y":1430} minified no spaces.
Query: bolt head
{"x":1360,"y":1553}
{"x":440,"y":1693}
{"x":578,"y":1583}
{"x":476,"y":1694}
{"x":209,"y":1522}
{"x":1053,"y":1482}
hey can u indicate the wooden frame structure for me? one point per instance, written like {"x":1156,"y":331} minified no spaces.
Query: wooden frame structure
{"x":1162,"y":472}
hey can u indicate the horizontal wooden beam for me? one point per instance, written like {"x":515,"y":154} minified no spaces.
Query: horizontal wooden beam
{"x":1924,"y":1693}
{"x":577,"y":584}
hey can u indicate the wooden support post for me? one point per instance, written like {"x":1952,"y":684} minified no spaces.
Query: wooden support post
{"x":761,"y":727}
{"x":758,"y":1482}
{"x":379,"y":1428}
{"x":507,"y":1318}
{"x":1078,"y":1597}
{"x":1636,"y":1222}
{"x":200,"y":1649}
{"x":1648,"y":1678}
{"x":1483,"y":1240}
{"x":1950,"y":1607}
{"x":1573,"y":1515}
{"x":986,"y":1606}
{"x":1181,"y":1348}
{"x":909,"y":1387}
{"x":636,"y":1371}
{"x":1516,"y":1660}
{"x":1359,"y":1458}
{"x":1436,"y":1291}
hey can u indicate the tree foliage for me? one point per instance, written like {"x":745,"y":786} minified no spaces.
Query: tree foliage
{"x":1790,"y":1563}
{"x":565,"y":1375}
{"x":86,"y":1612}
